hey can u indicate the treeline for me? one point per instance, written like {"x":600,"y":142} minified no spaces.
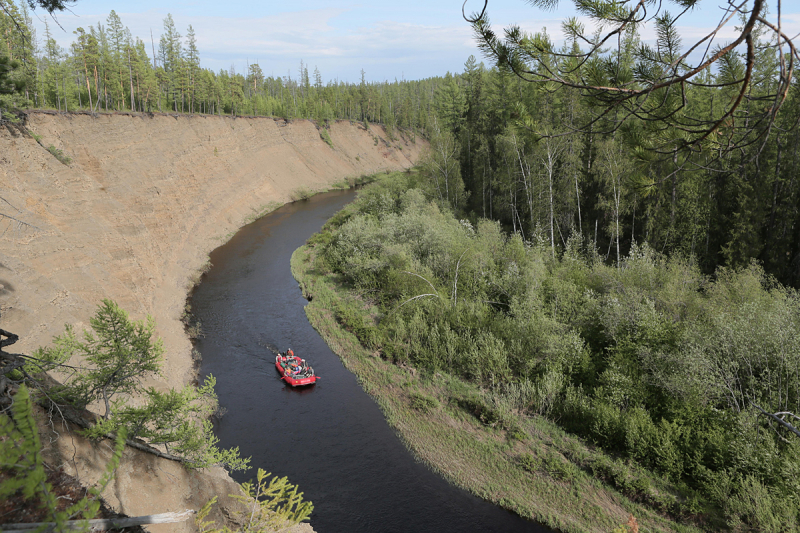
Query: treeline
{"x":647,"y":358}
{"x":108,"y":69}
{"x":521,"y":153}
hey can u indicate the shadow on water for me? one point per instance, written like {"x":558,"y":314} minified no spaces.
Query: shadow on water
{"x":331,"y":439}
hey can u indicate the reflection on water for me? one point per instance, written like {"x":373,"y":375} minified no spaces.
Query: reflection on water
{"x":331,"y":439}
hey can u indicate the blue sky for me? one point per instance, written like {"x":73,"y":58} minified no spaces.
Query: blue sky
{"x":411,"y":39}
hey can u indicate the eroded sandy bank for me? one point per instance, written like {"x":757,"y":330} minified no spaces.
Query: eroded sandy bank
{"x":133,"y":218}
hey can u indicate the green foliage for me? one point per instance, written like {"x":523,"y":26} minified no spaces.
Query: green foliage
{"x":7,"y":84}
{"x":325,"y":136}
{"x":177,"y":420}
{"x":278,"y":500}
{"x":301,"y":193}
{"x":649,"y":358}
{"x":21,"y":460}
{"x":272,"y":506}
{"x":106,"y":68}
{"x":121,"y":353}
{"x":423,"y":402}
{"x":632,"y":86}
{"x":352,"y":318}
{"x":20,"y":449}
{"x":530,"y":462}
{"x":559,"y":468}
{"x":59,"y":154}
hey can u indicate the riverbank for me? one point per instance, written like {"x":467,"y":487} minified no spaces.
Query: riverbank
{"x":527,"y":465}
{"x":128,"y":207}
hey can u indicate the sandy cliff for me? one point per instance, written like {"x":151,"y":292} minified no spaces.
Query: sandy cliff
{"x":133,"y":218}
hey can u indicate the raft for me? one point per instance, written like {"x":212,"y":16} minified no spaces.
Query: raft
{"x":295,"y":371}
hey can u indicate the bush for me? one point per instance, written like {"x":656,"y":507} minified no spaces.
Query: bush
{"x":301,"y":193}
{"x":477,"y":407}
{"x":490,"y":415}
{"x":529,"y":462}
{"x":649,"y":358}
{"x":120,"y":353}
{"x":423,"y":402}
{"x":559,"y":468}
{"x":755,"y":505}
{"x":325,"y":136}
{"x":271,"y":507}
{"x":23,"y":474}
{"x":59,"y":154}
{"x":352,"y":318}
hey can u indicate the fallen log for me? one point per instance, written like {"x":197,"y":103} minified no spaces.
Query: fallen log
{"x":105,"y":523}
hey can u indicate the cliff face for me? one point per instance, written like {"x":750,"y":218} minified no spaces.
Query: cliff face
{"x":133,"y":217}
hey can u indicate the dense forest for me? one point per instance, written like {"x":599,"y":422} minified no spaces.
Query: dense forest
{"x":724,"y":207}
{"x":647,"y":358}
{"x":108,"y":69}
{"x":630,"y":281}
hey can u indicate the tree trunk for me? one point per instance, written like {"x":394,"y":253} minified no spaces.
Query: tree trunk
{"x":105,"y":523}
{"x":130,"y":74}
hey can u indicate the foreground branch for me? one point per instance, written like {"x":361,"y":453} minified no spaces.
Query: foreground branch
{"x":777,"y":418}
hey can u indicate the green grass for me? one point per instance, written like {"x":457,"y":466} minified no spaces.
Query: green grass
{"x":525,"y":464}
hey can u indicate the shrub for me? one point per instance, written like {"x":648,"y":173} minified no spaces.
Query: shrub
{"x":529,"y":462}
{"x":754,"y":504}
{"x":22,"y":470}
{"x":352,"y":318}
{"x":118,"y":354}
{"x":423,"y":402}
{"x":59,"y":154}
{"x":559,"y":468}
{"x":325,"y":136}
{"x":301,"y":193}
{"x":271,"y":507}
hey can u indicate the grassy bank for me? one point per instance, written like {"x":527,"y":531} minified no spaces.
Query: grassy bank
{"x":523,"y":463}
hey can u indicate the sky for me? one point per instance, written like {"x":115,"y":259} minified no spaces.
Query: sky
{"x":412,"y":39}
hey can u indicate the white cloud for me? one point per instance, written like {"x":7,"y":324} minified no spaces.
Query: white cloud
{"x":342,"y":40}
{"x":280,"y":41}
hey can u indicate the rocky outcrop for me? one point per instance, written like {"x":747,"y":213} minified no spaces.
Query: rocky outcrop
{"x":132,"y":217}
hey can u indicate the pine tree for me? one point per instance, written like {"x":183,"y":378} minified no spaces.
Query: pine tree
{"x":121,"y":353}
{"x":115,"y":34}
{"x":170,"y":54}
{"x":193,"y":65}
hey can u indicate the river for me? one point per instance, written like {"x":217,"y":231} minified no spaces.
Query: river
{"x":331,"y":439}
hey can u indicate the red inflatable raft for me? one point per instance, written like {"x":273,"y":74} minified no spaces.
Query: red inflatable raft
{"x":294,"y":370}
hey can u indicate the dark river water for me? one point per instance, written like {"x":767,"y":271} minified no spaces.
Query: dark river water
{"x":330,"y":439}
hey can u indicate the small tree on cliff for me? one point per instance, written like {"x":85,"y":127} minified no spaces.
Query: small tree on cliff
{"x":121,"y":352}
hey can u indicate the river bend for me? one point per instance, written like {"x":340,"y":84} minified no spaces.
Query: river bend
{"x":332,"y":439}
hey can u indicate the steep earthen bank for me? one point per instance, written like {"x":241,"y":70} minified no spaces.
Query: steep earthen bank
{"x":132,"y":218}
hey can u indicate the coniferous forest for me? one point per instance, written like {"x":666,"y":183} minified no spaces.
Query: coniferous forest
{"x":108,"y":69}
{"x":722,"y":207}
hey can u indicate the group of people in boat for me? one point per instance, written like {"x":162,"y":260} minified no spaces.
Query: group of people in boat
{"x":294,"y":369}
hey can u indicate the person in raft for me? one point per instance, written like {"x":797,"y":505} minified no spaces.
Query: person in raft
{"x":294,"y":368}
